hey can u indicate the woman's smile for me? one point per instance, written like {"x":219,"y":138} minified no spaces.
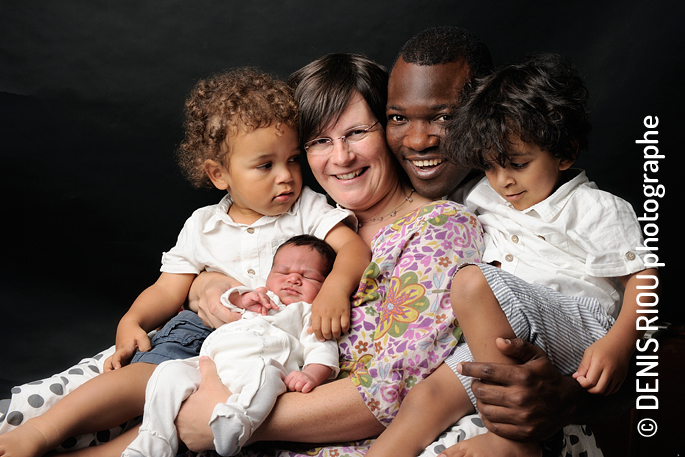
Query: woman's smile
{"x":351,"y":174}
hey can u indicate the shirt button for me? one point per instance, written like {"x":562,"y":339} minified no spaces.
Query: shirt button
{"x":509,"y":258}
{"x":514,"y":238}
{"x":250,"y":271}
{"x":630,"y":255}
{"x":250,"y":230}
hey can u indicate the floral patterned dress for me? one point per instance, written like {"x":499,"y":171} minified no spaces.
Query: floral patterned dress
{"x":402,"y":321}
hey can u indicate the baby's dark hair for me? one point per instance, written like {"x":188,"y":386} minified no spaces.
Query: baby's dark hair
{"x":237,"y":100}
{"x":541,"y":100}
{"x":316,"y":244}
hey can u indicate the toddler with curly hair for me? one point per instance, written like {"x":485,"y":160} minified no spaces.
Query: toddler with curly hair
{"x":240,"y":136}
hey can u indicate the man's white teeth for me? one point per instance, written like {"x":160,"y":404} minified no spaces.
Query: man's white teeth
{"x":350,"y":175}
{"x":427,"y":163}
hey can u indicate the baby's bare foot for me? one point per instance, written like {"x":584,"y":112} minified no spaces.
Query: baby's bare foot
{"x":28,"y":440}
{"x":491,"y":445}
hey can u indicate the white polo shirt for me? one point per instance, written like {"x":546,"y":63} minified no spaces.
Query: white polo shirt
{"x":212,"y":241}
{"x":578,"y":241}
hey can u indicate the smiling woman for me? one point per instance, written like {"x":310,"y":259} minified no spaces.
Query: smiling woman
{"x":402,"y":325}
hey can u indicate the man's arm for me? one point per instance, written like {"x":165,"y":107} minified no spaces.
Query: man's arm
{"x":533,"y":400}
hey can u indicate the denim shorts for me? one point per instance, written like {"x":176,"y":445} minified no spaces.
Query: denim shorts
{"x":180,"y":338}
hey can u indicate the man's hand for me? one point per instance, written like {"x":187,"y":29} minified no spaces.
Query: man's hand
{"x":527,"y":402}
{"x":130,"y":337}
{"x":192,"y":421}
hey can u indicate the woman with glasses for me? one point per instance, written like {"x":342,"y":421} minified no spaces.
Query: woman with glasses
{"x":402,"y":326}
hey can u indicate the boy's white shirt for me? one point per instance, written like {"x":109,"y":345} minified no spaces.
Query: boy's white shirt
{"x":578,"y":241}
{"x":210,"y":240}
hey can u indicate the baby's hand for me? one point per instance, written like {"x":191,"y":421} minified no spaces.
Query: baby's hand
{"x":256,"y":301}
{"x":130,"y":337}
{"x":311,"y":376}
{"x":330,"y":318}
{"x":299,"y":381}
{"x":603,"y":368}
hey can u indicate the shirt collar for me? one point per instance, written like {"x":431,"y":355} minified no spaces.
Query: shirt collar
{"x":221,"y":215}
{"x":550,"y":207}
{"x":547,"y":209}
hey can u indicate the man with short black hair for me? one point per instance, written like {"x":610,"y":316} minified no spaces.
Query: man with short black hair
{"x":432,"y":72}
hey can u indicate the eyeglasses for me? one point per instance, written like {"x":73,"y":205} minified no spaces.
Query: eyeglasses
{"x":352,"y":136}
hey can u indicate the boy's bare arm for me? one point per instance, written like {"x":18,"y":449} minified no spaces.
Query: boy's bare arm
{"x":331,"y":308}
{"x":605,"y":364}
{"x":153,"y":307}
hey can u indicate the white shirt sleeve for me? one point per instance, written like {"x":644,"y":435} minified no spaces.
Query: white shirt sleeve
{"x":612,"y":249}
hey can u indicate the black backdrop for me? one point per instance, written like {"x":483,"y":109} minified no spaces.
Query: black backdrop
{"x":91,"y":96}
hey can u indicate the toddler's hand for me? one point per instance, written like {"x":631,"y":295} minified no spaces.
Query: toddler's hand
{"x":603,"y":368}
{"x":330,"y":319}
{"x":130,"y":337}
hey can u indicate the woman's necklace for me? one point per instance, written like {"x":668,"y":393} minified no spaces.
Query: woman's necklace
{"x":393,"y":213}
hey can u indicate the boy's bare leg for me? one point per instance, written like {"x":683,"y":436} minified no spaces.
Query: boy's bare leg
{"x":101,"y":403}
{"x":429,"y":409}
{"x":483,"y":321}
{"x":480,"y":316}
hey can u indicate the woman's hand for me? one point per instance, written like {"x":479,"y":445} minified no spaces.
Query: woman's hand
{"x":205,"y":298}
{"x":192,"y":421}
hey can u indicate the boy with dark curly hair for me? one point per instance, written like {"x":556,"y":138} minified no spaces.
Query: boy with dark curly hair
{"x":240,"y":136}
{"x":560,"y":259}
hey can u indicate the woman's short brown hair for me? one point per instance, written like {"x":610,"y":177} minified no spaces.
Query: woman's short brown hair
{"x":324,"y":88}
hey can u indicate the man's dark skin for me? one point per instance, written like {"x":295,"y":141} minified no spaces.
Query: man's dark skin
{"x":530,"y":401}
{"x":420,"y":100}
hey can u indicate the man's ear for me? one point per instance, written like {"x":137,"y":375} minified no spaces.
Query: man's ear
{"x":216,"y":173}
